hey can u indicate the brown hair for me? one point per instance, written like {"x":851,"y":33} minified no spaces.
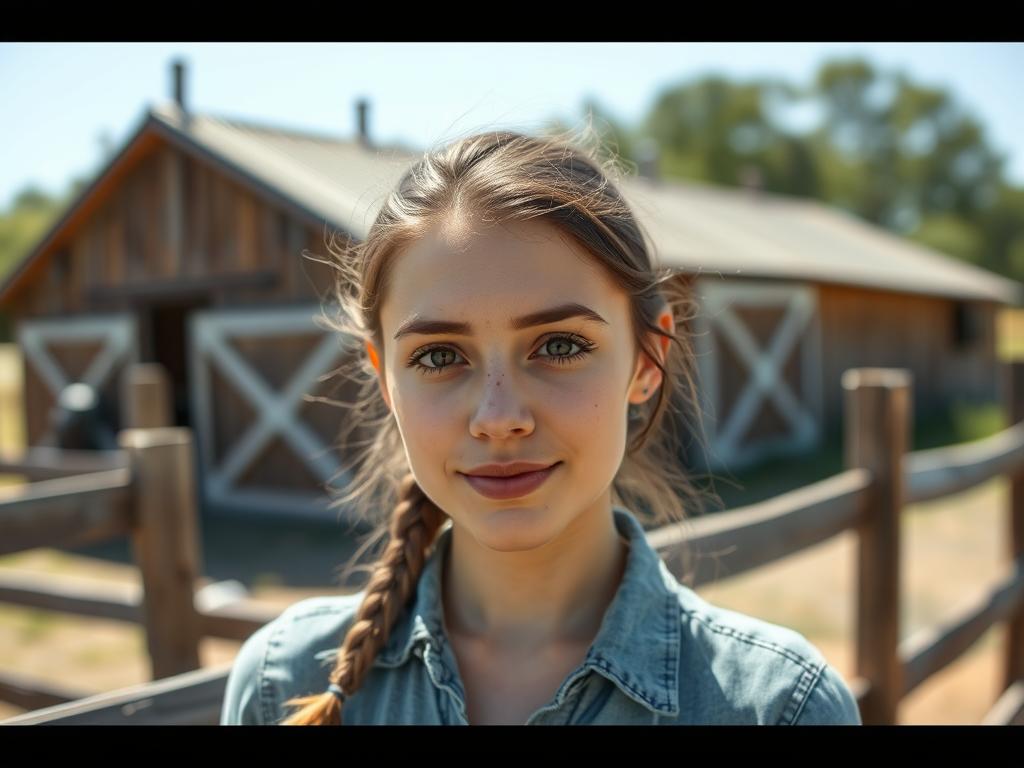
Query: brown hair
{"x":504,"y":176}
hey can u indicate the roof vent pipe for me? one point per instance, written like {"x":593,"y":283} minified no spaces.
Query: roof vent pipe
{"x":647,"y":160}
{"x":362,"y":107}
{"x":178,"y":69}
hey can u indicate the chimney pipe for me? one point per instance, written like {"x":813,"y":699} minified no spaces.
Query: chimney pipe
{"x":647,"y":159}
{"x":362,"y":107}
{"x":179,"y":84}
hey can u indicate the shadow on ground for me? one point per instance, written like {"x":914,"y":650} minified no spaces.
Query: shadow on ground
{"x":299,"y":554}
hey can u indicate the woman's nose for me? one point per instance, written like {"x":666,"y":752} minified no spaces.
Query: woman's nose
{"x":502,"y":408}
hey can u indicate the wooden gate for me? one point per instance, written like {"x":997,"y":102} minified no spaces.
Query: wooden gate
{"x":259,"y":451}
{"x":759,"y":351}
{"x":58,"y":351}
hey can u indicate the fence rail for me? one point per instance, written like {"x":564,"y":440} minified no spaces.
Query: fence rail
{"x":143,"y":490}
{"x":955,"y":468}
{"x":868,"y":498}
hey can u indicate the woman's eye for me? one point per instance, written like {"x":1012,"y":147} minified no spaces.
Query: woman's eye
{"x":441,"y":355}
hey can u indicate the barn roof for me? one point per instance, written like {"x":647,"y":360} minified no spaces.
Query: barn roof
{"x":740,"y":233}
{"x":696,"y":228}
{"x":339,"y":180}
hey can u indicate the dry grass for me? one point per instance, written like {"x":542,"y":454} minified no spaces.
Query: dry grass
{"x":93,"y":655}
{"x":1010,"y":334}
{"x":12,"y":422}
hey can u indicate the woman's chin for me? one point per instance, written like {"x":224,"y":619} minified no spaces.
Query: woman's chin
{"x":512,"y":528}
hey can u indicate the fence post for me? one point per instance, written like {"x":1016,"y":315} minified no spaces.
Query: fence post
{"x":877,"y":429}
{"x":146,"y":392}
{"x":166,"y":545}
{"x":1013,"y":654}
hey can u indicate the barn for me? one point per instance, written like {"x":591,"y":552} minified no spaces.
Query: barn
{"x":793,"y":292}
{"x":185,"y":249}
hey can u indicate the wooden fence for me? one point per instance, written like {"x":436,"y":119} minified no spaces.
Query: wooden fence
{"x":868,"y":497}
{"x":144,"y":490}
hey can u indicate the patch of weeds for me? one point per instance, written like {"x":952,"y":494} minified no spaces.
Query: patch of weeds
{"x":50,"y":560}
{"x":87,"y":657}
{"x":36,"y":625}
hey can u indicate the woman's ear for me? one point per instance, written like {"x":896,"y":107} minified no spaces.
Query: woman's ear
{"x":648,"y":376}
{"x":375,"y":360}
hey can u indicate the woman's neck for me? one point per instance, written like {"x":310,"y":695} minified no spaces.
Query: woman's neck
{"x":519,"y":601}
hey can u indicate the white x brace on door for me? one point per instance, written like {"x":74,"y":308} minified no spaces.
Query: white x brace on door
{"x":718,"y":322}
{"x":275,"y":411}
{"x":117,"y":332}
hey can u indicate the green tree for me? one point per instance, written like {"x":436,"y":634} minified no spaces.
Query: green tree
{"x":1003,"y":227}
{"x":717,"y":131}
{"x":32,"y":212}
{"x":896,"y":153}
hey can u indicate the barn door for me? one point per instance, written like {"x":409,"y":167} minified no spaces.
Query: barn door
{"x":264,"y":447}
{"x":759,"y":352}
{"x":91,"y":349}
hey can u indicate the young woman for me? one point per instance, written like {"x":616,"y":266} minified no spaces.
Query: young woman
{"x":519,"y":365}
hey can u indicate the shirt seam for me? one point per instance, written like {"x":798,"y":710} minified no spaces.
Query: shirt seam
{"x":722,"y":629}
{"x":266,"y":693}
{"x":806,"y":682}
{"x":797,"y":703}
{"x":319,"y":611}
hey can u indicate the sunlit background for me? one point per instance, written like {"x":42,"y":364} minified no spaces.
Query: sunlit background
{"x":924,"y":141}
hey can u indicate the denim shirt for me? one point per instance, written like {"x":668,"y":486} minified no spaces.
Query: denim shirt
{"x":662,"y":656}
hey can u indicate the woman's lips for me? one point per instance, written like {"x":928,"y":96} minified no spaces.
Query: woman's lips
{"x":510,"y":487}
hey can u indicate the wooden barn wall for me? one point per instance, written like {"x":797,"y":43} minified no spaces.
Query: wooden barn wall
{"x":877,"y":328}
{"x":173,"y":220}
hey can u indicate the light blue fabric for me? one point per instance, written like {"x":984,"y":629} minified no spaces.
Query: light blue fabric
{"x":663,"y":656}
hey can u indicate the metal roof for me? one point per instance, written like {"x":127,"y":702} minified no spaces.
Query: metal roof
{"x":342,"y":181}
{"x":736,"y":232}
{"x":696,"y":228}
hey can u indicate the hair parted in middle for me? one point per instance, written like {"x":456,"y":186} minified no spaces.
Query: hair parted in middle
{"x":500,"y":176}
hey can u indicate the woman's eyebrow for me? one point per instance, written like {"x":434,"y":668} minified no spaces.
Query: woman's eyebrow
{"x":425,"y":327}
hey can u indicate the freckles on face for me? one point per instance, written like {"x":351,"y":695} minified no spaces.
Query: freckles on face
{"x":539,"y":411}
{"x":498,"y":392}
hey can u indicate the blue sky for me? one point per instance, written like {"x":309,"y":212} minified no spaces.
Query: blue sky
{"x":61,"y":98}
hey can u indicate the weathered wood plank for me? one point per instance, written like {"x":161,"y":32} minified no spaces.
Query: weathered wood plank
{"x":729,"y":543}
{"x":67,"y":511}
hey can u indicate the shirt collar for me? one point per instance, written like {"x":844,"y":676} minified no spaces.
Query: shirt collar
{"x":637,"y":645}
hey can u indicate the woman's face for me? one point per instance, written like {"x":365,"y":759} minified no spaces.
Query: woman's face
{"x":497,"y":391}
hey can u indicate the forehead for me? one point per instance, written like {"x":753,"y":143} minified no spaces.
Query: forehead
{"x":493,"y":272}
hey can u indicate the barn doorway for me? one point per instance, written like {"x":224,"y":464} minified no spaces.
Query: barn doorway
{"x":165,"y":341}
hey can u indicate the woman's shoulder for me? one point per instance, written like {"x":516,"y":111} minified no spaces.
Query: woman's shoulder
{"x":754,"y":670}
{"x":291,"y":655}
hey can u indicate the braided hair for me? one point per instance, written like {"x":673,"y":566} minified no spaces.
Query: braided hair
{"x":414,"y":528}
